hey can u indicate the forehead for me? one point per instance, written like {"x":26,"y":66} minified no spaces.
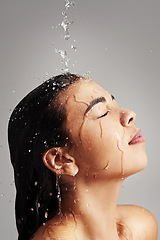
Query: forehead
{"x":76,"y":99}
{"x":83,"y":92}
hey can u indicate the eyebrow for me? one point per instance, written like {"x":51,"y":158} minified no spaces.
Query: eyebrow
{"x":93,"y":102}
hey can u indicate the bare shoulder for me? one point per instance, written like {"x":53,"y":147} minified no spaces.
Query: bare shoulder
{"x":139,"y":220}
{"x":54,"y":230}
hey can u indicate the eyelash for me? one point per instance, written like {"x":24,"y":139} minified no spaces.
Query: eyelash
{"x":113,"y":98}
{"x":104,"y":114}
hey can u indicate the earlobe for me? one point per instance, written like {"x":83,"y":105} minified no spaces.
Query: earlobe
{"x":60,"y":162}
{"x":70,"y":167}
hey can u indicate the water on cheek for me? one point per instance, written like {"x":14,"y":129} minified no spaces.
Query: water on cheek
{"x":121,"y":149}
{"x":110,"y":156}
{"x":101,"y":130}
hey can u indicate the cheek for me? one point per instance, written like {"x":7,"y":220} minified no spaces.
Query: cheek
{"x":101,"y":146}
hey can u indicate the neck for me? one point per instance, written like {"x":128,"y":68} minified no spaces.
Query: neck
{"x":94,"y":203}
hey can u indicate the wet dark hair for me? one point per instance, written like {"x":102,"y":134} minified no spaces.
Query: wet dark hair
{"x":35,"y":125}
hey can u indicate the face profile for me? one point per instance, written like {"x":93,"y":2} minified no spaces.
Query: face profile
{"x":71,"y":153}
{"x":103,"y":132}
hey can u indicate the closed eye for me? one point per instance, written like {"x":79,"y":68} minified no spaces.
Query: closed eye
{"x":104,"y":115}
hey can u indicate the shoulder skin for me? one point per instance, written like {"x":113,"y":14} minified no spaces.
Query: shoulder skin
{"x":140,"y":220}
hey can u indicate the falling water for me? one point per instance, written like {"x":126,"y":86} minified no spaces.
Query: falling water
{"x":65,"y":59}
{"x":59,"y":195}
{"x":65,"y":25}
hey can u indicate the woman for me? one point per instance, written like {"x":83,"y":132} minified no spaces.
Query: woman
{"x":71,"y":147}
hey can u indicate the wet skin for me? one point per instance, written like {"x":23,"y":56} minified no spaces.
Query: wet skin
{"x":98,"y":161}
{"x":102,"y":134}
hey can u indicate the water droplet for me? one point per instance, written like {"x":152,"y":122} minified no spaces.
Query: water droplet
{"x":74,"y":48}
{"x":29,"y":150}
{"x":87,"y":174}
{"x":36,"y":183}
{"x":68,"y":4}
{"x":32,"y":209}
{"x":38,"y":205}
{"x":2,"y":194}
{"x":65,"y":24}
{"x":67,"y":36}
{"x":76,"y":200}
{"x":46,"y":215}
{"x":13,"y":91}
{"x":50,"y":194}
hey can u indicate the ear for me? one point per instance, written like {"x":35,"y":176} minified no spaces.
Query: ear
{"x":60,"y":162}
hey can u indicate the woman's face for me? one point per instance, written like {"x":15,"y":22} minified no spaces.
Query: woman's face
{"x":102,"y":132}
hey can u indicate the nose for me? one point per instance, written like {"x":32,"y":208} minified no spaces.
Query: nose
{"x":127,"y":117}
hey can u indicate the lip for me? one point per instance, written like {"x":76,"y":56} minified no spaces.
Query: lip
{"x":137,"y":138}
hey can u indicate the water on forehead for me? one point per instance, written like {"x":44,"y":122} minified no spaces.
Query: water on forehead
{"x":86,"y":91}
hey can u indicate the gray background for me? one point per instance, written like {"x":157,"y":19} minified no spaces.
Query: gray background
{"x":118,"y":41}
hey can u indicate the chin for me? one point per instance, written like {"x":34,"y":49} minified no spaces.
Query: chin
{"x":137,"y":164}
